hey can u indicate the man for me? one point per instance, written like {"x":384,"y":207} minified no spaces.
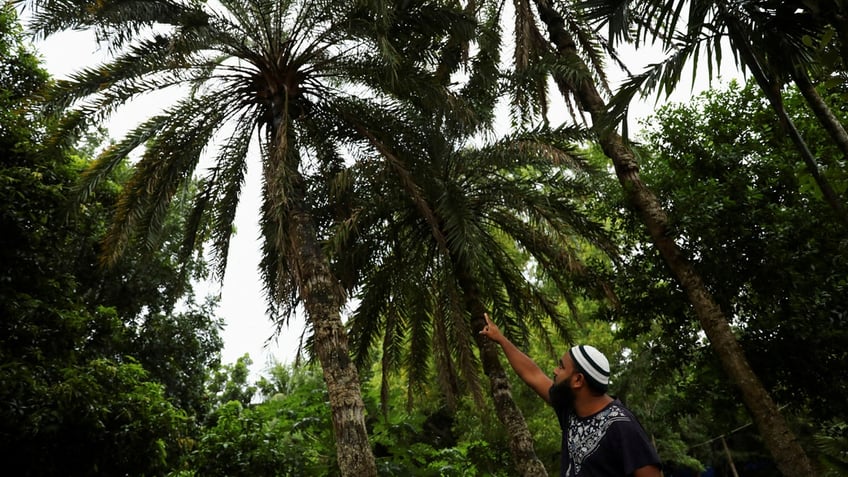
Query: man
{"x":600,"y":437}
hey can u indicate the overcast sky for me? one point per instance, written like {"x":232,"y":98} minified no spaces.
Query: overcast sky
{"x":242,"y":303}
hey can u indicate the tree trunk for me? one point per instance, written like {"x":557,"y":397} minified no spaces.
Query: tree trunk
{"x":520,"y":440}
{"x":323,"y":298}
{"x":784,"y":447}
{"x":822,"y":111}
{"x":521,"y":447}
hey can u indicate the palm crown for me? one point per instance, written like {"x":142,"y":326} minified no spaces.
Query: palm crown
{"x":283,"y":73}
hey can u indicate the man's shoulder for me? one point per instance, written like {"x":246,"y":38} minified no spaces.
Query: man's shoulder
{"x":616,"y":407}
{"x":619,"y":413}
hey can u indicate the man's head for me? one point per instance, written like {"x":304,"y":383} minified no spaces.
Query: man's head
{"x":581,"y":368}
{"x":593,"y":365}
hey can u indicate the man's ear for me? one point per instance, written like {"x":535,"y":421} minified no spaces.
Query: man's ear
{"x":578,"y":381}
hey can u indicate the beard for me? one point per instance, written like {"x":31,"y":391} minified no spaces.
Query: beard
{"x":561,"y":395}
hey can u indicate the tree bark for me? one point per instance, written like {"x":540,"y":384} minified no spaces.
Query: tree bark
{"x":520,"y":440}
{"x":323,"y":298}
{"x":779,"y":439}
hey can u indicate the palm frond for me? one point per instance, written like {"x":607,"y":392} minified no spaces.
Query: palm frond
{"x":392,"y":349}
{"x":222,"y":190}
{"x":112,"y":156}
{"x":366,"y":324}
{"x":279,"y":246}
{"x":115,"y":21}
{"x":660,"y":77}
{"x":443,"y":359}
{"x":168,"y":163}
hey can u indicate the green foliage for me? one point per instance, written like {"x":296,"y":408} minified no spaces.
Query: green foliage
{"x":21,"y":76}
{"x":97,"y":417}
{"x":229,"y":382}
{"x":287,"y":434}
{"x":773,"y":254}
{"x":179,"y":350}
{"x":430,"y":439}
{"x":832,"y":441}
{"x":95,"y":379}
{"x":758,"y":233}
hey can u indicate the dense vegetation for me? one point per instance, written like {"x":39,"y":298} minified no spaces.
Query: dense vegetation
{"x":727,"y":209}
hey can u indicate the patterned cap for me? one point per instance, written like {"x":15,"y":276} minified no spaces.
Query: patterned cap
{"x":592,"y":362}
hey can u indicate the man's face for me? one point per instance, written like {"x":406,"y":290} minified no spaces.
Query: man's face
{"x":561,"y":394}
{"x":564,"y":369}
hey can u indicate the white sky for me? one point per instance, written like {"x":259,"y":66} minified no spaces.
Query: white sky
{"x":242,"y":303}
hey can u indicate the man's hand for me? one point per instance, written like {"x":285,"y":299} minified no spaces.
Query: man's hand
{"x":526,"y":369}
{"x":491,"y":330}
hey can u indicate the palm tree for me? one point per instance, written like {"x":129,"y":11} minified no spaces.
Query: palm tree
{"x":792,"y":36}
{"x":832,"y":13}
{"x":457,"y":245}
{"x":295,"y":75}
{"x":774,"y":41}
{"x":575,"y":79}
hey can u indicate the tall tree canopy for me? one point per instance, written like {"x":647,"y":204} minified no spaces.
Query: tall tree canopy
{"x":761,"y":234}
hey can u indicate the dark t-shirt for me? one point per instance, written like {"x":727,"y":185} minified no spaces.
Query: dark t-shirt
{"x":610,"y":443}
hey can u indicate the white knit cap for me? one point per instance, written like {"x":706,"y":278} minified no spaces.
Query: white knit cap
{"x":592,"y":362}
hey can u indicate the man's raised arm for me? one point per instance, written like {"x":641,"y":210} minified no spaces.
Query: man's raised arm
{"x":524,"y":367}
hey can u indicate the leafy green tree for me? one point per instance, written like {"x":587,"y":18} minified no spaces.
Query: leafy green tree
{"x":79,"y":401}
{"x":779,"y":237}
{"x":179,"y":350}
{"x":31,"y":192}
{"x":288,"y":432}
{"x":162,"y":325}
{"x":99,"y":418}
{"x":230,"y":382}
{"x":757,"y":233}
{"x":75,"y":401}
{"x":774,"y":41}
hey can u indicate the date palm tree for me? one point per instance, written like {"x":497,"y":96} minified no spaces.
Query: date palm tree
{"x":457,"y":246}
{"x":295,"y":77}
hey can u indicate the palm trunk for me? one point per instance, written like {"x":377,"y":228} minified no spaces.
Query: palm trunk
{"x":520,"y":440}
{"x":323,"y":298}
{"x":779,"y":439}
{"x":521,"y":447}
{"x":323,"y":303}
{"x":822,"y":111}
